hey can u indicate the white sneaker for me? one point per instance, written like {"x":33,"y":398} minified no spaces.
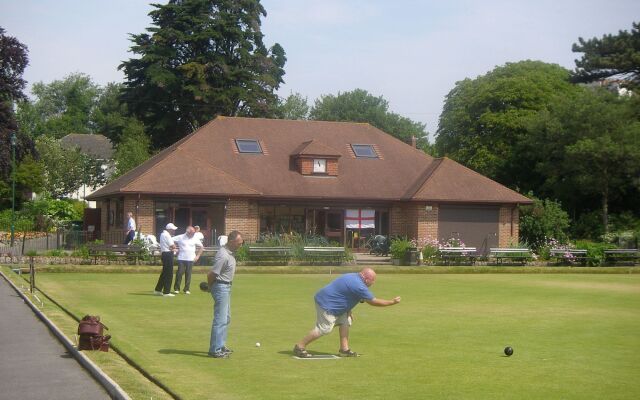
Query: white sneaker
{"x":157,"y":293}
{"x":176,"y":291}
{"x":187,"y":292}
{"x":169,"y":295}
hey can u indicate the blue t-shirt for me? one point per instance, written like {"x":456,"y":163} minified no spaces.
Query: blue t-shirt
{"x":343,"y":294}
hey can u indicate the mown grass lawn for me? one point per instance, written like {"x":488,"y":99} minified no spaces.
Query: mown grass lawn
{"x":574,"y":336}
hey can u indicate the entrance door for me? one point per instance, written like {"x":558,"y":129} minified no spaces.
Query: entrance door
{"x":333,"y":228}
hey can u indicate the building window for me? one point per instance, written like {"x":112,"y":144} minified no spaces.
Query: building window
{"x":364,"y":151}
{"x":319,"y":166}
{"x":248,"y":146}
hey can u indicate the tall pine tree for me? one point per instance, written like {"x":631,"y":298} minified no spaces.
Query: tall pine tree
{"x":200,"y":59}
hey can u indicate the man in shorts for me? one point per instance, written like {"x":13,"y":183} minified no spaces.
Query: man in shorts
{"x":334,"y":303}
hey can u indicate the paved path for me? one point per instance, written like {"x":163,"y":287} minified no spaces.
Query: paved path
{"x":33,"y":363}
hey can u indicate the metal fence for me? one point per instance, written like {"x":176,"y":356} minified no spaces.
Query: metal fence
{"x":60,"y":239}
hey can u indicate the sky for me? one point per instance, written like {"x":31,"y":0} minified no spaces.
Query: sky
{"x":410,"y":52}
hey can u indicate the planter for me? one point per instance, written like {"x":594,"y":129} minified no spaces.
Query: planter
{"x":395,"y":261}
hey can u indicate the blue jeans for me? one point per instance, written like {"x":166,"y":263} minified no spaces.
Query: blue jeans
{"x":221,"y":316}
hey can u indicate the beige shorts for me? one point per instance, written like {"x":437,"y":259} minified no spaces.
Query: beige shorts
{"x":325,"y":321}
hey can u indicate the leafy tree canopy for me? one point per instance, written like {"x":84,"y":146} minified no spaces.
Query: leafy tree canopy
{"x":361,"y":106}
{"x":13,"y":61}
{"x":484,"y":118}
{"x":609,"y":56}
{"x":66,"y":170}
{"x":61,"y":107}
{"x":132,"y":150}
{"x":585,"y":150}
{"x":294,"y":106}
{"x":200,"y":59}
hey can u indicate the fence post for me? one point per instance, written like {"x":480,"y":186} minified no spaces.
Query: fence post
{"x":32,"y":274}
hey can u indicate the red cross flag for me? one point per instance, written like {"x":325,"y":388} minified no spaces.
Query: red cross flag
{"x":360,"y":219}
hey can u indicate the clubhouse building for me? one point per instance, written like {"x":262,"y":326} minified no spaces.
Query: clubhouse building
{"x":345,"y":181}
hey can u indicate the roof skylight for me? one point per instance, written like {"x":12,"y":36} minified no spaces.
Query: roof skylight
{"x":364,"y":151}
{"x":248,"y":146}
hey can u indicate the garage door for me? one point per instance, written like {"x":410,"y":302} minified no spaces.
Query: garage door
{"x":476,"y":226}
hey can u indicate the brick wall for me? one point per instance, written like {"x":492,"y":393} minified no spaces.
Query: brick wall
{"x":413,"y":220}
{"x":242,"y":215}
{"x":145,"y":216}
{"x":508,"y":226}
{"x":332,"y":167}
{"x":305,"y":166}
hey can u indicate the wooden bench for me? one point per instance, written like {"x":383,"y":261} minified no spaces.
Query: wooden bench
{"x":114,"y":250}
{"x":457,"y":255}
{"x":519,"y":255}
{"x":325,"y":254}
{"x":569,"y":256}
{"x":616,"y":256}
{"x":274,"y":254}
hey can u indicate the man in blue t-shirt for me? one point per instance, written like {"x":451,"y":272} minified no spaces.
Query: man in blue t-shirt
{"x":333,"y":307}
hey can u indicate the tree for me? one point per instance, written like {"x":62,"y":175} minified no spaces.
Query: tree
{"x":483,"y":119}
{"x":609,"y":56}
{"x":61,"y":107}
{"x":13,"y":61}
{"x":295,"y":106}
{"x":66,"y":170}
{"x":200,"y":59}
{"x":132,"y":150}
{"x":361,"y":106}
{"x":588,"y":150}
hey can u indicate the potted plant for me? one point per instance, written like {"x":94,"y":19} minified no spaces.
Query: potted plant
{"x":400,"y":251}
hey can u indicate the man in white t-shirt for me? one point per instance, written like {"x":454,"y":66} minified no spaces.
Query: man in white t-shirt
{"x":131,"y":228}
{"x":167,"y":247}
{"x":189,"y":251}
{"x":198,"y":235}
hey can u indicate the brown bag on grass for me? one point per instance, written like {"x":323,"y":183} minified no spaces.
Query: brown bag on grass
{"x":90,"y":330}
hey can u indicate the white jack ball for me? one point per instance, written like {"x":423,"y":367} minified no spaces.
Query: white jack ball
{"x":257,"y":344}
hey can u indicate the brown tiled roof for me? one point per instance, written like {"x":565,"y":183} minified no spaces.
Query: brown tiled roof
{"x":315,"y":148}
{"x":94,"y":145}
{"x":453,"y":182}
{"x":206,"y":163}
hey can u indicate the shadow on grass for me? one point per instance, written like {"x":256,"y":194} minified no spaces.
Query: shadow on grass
{"x":143,"y":294}
{"x":313,"y":353}
{"x":194,"y":353}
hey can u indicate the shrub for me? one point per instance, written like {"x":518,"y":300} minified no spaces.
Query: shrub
{"x":541,"y":220}
{"x":400,"y":248}
{"x":595,"y":251}
{"x":55,"y":253}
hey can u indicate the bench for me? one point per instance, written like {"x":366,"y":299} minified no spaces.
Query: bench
{"x":569,"y":256}
{"x":258,"y":253}
{"x":615,"y":256}
{"x":519,"y":255}
{"x":325,"y":254}
{"x":457,"y":255}
{"x":110,"y":251}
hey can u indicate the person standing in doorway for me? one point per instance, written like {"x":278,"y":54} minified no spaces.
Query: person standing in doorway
{"x":189,"y":251}
{"x":131,"y":228}
{"x":220,"y":279}
{"x":198,"y":235}
{"x":167,"y":249}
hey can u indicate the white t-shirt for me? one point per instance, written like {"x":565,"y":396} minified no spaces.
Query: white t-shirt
{"x":187,"y":246}
{"x":131,"y":224}
{"x":165,"y":241}
{"x":199,"y":236}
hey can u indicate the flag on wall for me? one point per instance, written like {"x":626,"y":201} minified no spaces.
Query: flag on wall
{"x":360,"y":219}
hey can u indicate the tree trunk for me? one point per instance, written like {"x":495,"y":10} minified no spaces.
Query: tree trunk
{"x":605,"y":209}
